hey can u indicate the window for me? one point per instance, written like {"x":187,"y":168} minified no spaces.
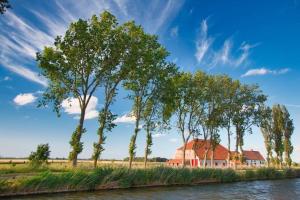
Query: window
{"x":216,"y":164}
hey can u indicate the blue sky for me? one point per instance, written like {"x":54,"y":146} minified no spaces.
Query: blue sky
{"x":255,"y":42}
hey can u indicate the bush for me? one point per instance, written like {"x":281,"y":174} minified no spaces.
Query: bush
{"x":40,"y":156}
{"x":268,"y":173}
{"x":249,"y":174}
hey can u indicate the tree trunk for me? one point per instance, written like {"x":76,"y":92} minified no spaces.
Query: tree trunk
{"x":212,"y":159}
{"x":183,"y":158}
{"x":280,"y":161}
{"x":75,"y":141}
{"x":236,"y":148}
{"x":147,"y":148}
{"x":132,"y":143}
{"x":98,"y":146}
{"x":268,"y":159}
{"x":229,"y":152}
{"x":242,"y":154}
{"x":205,"y":158}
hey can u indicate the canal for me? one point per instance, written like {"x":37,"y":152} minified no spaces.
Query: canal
{"x":276,"y":190}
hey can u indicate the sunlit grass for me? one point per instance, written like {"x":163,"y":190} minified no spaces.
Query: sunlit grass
{"x":123,"y":177}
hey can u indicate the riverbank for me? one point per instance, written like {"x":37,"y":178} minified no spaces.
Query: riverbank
{"x":107,"y":178}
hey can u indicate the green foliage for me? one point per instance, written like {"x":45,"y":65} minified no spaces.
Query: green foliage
{"x":40,"y":156}
{"x":109,"y":177}
{"x":277,"y":128}
{"x":4,"y":4}
{"x":148,"y":68}
{"x":75,"y":143}
{"x":77,"y":63}
{"x":269,"y":173}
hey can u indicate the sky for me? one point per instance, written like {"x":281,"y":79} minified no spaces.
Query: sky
{"x":256,"y":42}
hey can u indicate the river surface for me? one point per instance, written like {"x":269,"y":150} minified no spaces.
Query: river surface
{"x":276,"y":190}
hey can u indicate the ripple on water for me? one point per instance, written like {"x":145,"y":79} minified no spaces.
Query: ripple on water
{"x":260,"y":190}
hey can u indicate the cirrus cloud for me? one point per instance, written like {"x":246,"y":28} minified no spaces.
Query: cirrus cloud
{"x":265,"y":71}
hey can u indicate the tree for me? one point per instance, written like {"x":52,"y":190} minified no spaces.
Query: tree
{"x":278,"y":134}
{"x":288,"y":131}
{"x":4,"y":4}
{"x":248,"y":112}
{"x":230,"y":88}
{"x":75,"y":65}
{"x":188,"y":102}
{"x":40,"y":156}
{"x":214,"y":109}
{"x":155,"y":113}
{"x":267,"y":132}
{"x":111,"y":78}
{"x":142,"y":79}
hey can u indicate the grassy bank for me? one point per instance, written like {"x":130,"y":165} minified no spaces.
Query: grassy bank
{"x":110,"y":178}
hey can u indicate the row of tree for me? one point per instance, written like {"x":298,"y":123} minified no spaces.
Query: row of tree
{"x":277,"y":128}
{"x":100,"y":53}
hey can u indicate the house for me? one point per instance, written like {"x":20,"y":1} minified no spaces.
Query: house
{"x":198,"y":149}
{"x":253,"y":158}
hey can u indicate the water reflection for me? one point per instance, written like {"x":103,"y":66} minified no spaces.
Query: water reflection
{"x":275,"y":190}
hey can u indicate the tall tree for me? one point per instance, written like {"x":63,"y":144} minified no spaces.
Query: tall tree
{"x":248,"y":112}
{"x":111,"y":78}
{"x":4,"y":4}
{"x":278,"y":133}
{"x":75,"y":65}
{"x":267,"y":132}
{"x":155,"y":114}
{"x":288,"y":129}
{"x":214,"y":112}
{"x":188,"y":104}
{"x":150,"y":57}
{"x":230,"y":89}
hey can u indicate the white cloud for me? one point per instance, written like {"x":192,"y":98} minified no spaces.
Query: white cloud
{"x":174,"y":31}
{"x":23,"y":99}
{"x":127,"y":118}
{"x":158,"y":135}
{"x":173,"y":140}
{"x":264,"y":71}
{"x":203,"y":42}
{"x":71,"y":106}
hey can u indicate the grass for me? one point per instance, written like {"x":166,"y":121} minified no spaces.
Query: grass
{"x":121,"y":177}
{"x":64,"y":166}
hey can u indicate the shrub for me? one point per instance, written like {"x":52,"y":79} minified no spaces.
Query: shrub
{"x":268,"y":173}
{"x":249,"y":174}
{"x":40,"y":156}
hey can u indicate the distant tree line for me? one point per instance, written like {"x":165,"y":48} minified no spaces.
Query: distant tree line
{"x":142,"y":159}
{"x":101,"y":53}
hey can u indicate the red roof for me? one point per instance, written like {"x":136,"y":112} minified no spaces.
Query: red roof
{"x":253,"y":155}
{"x":200,"y":146}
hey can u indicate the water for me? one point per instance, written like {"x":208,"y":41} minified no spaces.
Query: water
{"x":275,"y":190}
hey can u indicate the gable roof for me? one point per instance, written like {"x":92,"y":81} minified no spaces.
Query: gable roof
{"x":253,"y":155}
{"x":200,"y":146}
